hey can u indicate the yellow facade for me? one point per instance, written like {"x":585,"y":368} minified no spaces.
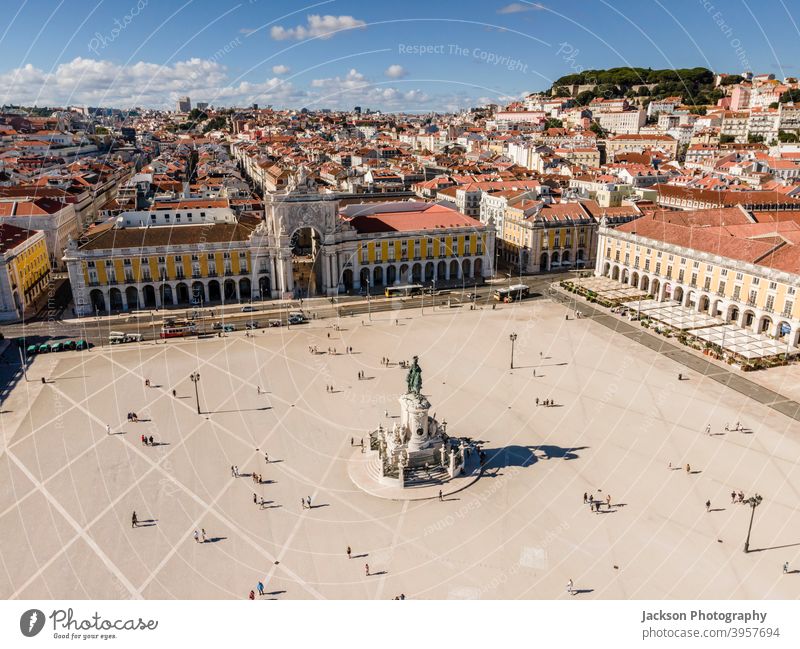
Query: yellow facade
{"x":454,"y":246}
{"x":139,"y":264}
{"x":31,"y":267}
{"x":670,"y":269}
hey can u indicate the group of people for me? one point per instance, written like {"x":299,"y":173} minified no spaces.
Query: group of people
{"x":147,"y":441}
{"x":361,"y":375}
{"x":737,"y":497}
{"x":306,"y":503}
{"x":594,"y":504}
{"x":329,"y":388}
{"x":200,"y":537}
{"x":545,"y":402}
{"x":132,"y":416}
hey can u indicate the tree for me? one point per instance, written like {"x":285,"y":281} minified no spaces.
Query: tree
{"x":598,"y":130}
{"x":755,"y":139}
{"x":726,"y":139}
{"x":731,"y":80}
{"x":552,"y":122}
{"x":584,"y":97}
{"x":786,"y":136}
{"x":790,"y":96}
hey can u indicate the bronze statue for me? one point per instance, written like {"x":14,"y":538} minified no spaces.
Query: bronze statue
{"x":414,"y":377}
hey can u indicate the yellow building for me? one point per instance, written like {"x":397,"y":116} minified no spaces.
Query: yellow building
{"x":738,"y":265}
{"x":24,"y":270}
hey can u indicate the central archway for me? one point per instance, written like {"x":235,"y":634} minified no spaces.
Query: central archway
{"x":306,"y":246}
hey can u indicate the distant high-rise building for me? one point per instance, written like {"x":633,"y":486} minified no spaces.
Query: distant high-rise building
{"x":357,"y":110}
{"x":201,"y":105}
{"x":184,"y":104}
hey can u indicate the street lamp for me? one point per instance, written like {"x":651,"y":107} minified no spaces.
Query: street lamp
{"x":754,"y":501}
{"x":512,"y":338}
{"x":195,"y":378}
{"x":369,"y":304}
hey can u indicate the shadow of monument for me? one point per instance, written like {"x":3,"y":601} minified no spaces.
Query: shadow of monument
{"x":523,"y":456}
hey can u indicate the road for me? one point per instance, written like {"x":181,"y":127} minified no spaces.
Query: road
{"x":148,"y":323}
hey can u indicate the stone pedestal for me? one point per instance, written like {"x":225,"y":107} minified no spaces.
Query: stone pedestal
{"x":414,"y":421}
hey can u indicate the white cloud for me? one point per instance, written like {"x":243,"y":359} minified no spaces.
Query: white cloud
{"x":395,"y":71}
{"x":104,"y":83}
{"x":519,"y":7}
{"x":317,"y":26}
{"x":280,"y":69}
{"x":353,"y":80}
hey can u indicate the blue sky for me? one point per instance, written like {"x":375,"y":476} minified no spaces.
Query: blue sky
{"x":409,"y":56}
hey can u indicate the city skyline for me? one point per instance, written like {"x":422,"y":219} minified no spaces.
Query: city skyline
{"x":339,"y":54}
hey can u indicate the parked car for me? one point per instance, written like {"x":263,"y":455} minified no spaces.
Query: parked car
{"x":252,"y":325}
{"x":44,"y":348}
{"x":229,"y":327}
{"x":69,"y":344}
{"x":57,"y":346}
{"x":32,"y":349}
{"x":296,"y":317}
{"x":275,"y":323}
{"x":81,"y":345}
{"x":247,"y":308}
{"x":217,"y":325}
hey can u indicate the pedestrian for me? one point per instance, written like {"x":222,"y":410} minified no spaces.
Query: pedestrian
{"x":203,"y":534}
{"x":708,"y":429}
{"x":680,"y":376}
{"x":708,"y":505}
{"x":785,"y":567}
{"x":233,"y":475}
{"x":351,"y":441}
{"x":738,"y":427}
{"x":440,"y":495}
{"x":726,"y":427}
{"x":309,"y":502}
{"x":570,"y":589}
{"x":151,"y":440}
{"x":252,"y":595}
{"x":733,"y":497}
{"x":537,"y":401}
{"x":144,"y":441}
{"x":174,"y":394}
{"x":236,"y":471}
{"x":266,"y":457}
{"x":688,"y":469}
{"x":108,"y":429}
{"x":585,"y":497}
{"x":349,"y":552}
{"x":258,"y":389}
{"x":147,"y":383}
{"x":196,"y":536}
{"x":534,"y":371}
{"x":366,"y":568}
{"x":255,"y":499}
{"x":134,"y":520}
{"x":608,"y":501}
{"x":260,"y":587}
{"x":303,"y":503}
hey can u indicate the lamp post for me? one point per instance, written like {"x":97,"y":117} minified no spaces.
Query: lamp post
{"x":754,"y":501}
{"x":195,"y":378}
{"x":369,"y":304}
{"x":512,"y":338}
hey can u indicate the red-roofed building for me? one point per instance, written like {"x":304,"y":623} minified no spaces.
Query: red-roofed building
{"x":738,"y":265}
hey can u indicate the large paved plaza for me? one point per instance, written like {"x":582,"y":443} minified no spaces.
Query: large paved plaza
{"x":67,"y":488}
